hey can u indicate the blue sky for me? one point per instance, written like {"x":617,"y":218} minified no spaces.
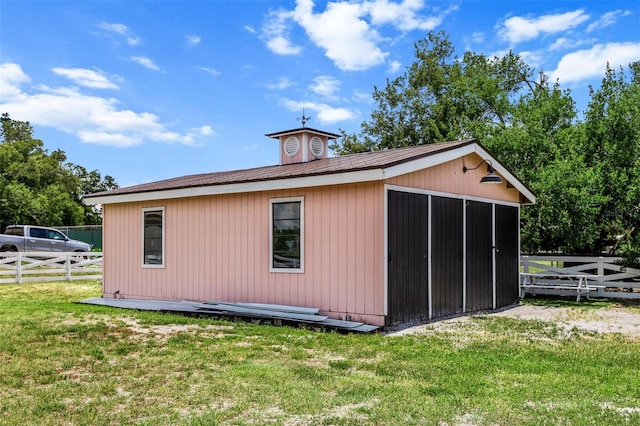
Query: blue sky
{"x":148,"y":90}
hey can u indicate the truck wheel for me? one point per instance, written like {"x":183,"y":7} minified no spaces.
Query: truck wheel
{"x":79,"y":256}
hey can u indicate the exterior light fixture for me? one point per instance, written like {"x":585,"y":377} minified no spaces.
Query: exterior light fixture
{"x":492,"y":177}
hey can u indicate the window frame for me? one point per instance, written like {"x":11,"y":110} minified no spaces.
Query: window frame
{"x":285,"y":200}
{"x":162,"y":211}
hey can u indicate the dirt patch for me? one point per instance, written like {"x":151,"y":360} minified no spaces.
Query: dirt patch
{"x":603,"y":320}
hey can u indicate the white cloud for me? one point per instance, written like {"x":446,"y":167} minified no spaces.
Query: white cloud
{"x":282,"y":84}
{"x":331,"y":115}
{"x":192,"y":40}
{"x":473,"y":39}
{"x":533,"y":58}
{"x":518,"y":28}
{"x":589,"y":63}
{"x":122,"y":30}
{"x":110,"y":139}
{"x":564,"y":43}
{"x":250,"y":29}
{"x":87,"y":78}
{"x":282,"y":46}
{"x":206,"y":131}
{"x":145,"y":62}
{"x":394,"y":67}
{"x":11,"y":78}
{"x":214,"y":72}
{"x":252,"y":147}
{"x":561,"y":43}
{"x":326,"y":114}
{"x":347,"y":31}
{"x":359,"y":96}
{"x":114,"y":28}
{"x":403,"y":15}
{"x":325,"y":86}
{"x":608,"y":19}
{"x":348,"y":41}
{"x":92,"y":119}
{"x":275,"y":32}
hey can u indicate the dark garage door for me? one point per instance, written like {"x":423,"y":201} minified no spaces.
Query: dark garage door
{"x":446,"y":256}
{"x":409,"y":269}
{"x":407,"y":256}
{"x":507,"y":262}
{"x":479,"y":259}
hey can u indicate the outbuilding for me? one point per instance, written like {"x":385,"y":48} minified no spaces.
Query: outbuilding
{"x":384,"y":237}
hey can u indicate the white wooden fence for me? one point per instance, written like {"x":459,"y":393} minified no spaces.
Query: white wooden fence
{"x":605,"y":275}
{"x":49,"y":266}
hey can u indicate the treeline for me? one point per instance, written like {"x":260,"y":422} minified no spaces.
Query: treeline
{"x":583,"y":166}
{"x":42,"y":188}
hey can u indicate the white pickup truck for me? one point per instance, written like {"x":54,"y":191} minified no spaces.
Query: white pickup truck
{"x":26,"y":238}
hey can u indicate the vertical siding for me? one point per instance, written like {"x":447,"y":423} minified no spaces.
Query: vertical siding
{"x":449,"y":178}
{"x":446,"y":256}
{"x":479,"y":256}
{"x":507,"y":262}
{"x":407,"y":257}
{"x":217,"y":248}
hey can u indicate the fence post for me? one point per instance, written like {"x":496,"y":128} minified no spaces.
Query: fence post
{"x":19,"y":267}
{"x":67,"y":265}
{"x":601,"y":270}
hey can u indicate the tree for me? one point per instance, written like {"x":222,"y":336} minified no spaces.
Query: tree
{"x":38,"y":187}
{"x":441,"y":97}
{"x":612,"y":146}
{"x":531,"y":126}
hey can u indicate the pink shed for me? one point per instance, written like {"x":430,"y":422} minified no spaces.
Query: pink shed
{"x":379,"y":237}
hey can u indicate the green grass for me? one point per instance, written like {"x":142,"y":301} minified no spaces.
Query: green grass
{"x":65,"y":363}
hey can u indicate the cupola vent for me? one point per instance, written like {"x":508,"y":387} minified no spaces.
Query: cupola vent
{"x":316,"y":147}
{"x":292,"y":146}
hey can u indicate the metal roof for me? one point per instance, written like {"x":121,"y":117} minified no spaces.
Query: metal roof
{"x":345,"y":169}
{"x":276,"y":135}
{"x":324,"y":166}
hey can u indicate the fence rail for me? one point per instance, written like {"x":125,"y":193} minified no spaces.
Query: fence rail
{"x":47,"y":266}
{"x":606,"y":275}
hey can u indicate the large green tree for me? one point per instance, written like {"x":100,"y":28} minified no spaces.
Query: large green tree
{"x":442,"y":97}
{"x":38,"y":187}
{"x":531,"y":126}
{"x":612,"y":148}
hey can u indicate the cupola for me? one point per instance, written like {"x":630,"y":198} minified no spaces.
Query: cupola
{"x":303,"y":144}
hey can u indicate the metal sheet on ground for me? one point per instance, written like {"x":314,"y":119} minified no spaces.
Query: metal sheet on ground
{"x":231,"y":309}
{"x":270,"y":307}
{"x":265,"y":312}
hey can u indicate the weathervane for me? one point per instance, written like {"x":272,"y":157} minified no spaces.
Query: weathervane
{"x":304,"y":119}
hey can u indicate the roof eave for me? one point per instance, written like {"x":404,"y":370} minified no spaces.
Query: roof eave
{"x":276,"y":135}
{"x":240,"y":187}
{"x":387,"y":171}
{"x":521,"y":187}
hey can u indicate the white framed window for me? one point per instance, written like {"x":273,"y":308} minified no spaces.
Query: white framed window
{"x":286,"y":235}
{"x":153,"y":237}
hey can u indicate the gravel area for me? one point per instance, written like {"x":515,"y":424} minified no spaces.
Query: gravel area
{"x":612,"y":319}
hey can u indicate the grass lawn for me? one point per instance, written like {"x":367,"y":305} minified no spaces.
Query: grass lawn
{"x":65,"y":363}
